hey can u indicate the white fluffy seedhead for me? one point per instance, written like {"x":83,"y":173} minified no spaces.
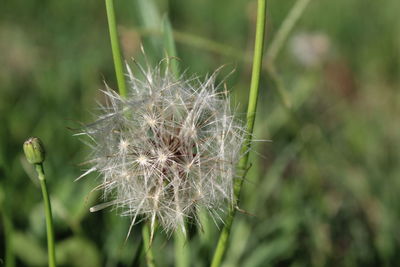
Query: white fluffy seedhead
{"x":167,"y":149}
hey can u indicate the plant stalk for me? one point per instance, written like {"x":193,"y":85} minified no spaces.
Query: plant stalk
{"x":182,"y":252}
{"x":115,"y":47}
{"x":117,"y":58}
{"x":48,"y":214}
{"x":250,"y":118}
{"x":147,"y":246}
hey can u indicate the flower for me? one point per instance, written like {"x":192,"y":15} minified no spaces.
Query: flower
{"x":170,"y":147}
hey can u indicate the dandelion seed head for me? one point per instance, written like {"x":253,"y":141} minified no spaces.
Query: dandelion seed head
{"x":167,"y":149}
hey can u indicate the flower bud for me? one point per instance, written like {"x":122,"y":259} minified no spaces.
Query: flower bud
{"x":34,"y":150}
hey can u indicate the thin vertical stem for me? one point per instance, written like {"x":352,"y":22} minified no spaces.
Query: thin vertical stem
{"x":250,"y":118}
{"x":147,"y":246}
{"x":115,"y":47}
{"x":49,"y":217}
{"x":116,"y":51}
{"x":182,"y":252}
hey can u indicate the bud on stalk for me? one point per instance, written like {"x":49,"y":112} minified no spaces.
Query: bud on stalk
{"x":34,"y":150}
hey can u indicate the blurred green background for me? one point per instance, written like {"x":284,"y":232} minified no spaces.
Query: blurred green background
{"x":324,"y":192}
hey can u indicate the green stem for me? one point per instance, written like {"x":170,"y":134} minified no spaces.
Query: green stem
{"x":115,"y":47}
{"x":147,"y":245}
{"x":49,"y":217}
{"x":251,"y":112}
{"x":182,"y":253}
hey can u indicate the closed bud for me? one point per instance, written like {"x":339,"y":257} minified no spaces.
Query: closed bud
{"x":34,"y":150}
